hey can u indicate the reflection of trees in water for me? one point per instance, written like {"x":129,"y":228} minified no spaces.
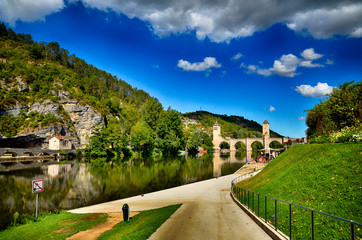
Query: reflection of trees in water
{"x":225,"y":156}
{"x":228,"y":168}
{"x":146,"y":176}
{"x":17,"y":196}
{"x":240,"y":155}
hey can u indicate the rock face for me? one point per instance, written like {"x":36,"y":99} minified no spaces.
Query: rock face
{"x":78,"y":122}
{"x":84,"y":119}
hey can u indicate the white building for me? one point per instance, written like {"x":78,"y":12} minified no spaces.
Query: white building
{"x":60,"y":143}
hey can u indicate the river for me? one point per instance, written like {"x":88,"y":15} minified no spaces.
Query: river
{"x":73,"y":184}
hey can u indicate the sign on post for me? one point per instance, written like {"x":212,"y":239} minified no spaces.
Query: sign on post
{"x":38,"y":186}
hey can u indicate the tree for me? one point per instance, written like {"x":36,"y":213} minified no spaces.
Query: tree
{"x":3,"y":30}
{"x":342,"y":108}
{"x":151,"y":112}
{"x":142,"y":137}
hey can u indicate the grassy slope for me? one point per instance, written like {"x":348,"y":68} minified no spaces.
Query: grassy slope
{"x":325,"y":177}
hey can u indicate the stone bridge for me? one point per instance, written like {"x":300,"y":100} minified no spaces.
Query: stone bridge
{"x":22,"y":158}
{"x":265,"y":140}
{"x":19,"y":152}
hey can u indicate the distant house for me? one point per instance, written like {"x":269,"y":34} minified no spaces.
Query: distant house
{"x":60,"y":143}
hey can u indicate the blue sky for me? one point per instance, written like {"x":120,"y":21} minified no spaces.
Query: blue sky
{"x":257,"y":59}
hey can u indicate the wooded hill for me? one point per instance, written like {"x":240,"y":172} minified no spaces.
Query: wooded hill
{"x":45,"y":90}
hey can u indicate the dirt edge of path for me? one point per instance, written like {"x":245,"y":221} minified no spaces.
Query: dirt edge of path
{"x":94,"y":233}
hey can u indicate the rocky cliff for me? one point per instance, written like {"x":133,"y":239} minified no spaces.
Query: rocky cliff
{"x":75,"y":120}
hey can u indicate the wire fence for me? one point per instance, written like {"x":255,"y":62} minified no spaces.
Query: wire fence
{"x":293,"y":220}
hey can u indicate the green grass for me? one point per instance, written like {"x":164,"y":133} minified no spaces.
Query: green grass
{"x":54,"y":226}
{"x":65,"y":224}
{"x":140,"y":226}
{"x":324,"y":177}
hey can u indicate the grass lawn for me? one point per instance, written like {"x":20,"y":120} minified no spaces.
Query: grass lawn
{"x":324,"y":177}
{"x":54,"y":226}
{"x":140,"y":226}
{"x":65,"y":224}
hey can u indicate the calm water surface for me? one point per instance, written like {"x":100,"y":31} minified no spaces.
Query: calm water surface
{"x":72,"y":184}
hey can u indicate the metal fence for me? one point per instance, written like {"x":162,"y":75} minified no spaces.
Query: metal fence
{"x":283,"y":216}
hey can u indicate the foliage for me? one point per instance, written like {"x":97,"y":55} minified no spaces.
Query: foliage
{"x":324,"y":177}
{"x":140,"y":226}
{"x":345,"y":135}
{"x":343,"y":108}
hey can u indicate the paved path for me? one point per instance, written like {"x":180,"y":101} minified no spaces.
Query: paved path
{"x":208,"y":212}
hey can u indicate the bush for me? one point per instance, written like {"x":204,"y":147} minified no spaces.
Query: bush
{"x":345,"y":135}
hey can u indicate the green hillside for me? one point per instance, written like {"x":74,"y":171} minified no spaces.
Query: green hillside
{"x":231,"y":126}
{"x":324,"y":177}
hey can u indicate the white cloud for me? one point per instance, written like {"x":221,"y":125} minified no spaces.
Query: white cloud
{"x":271,"y":109}
{"x":219,"y":20}
{"x":327,"y":21}
{"x":28,"y":11}
{"x":287,"y":65}
{"x":237,"y":56}
{"x":208,"y":63}
{"x":309,"y":54}
{"x":357,"y":33}
{"x":309,"y":64}
{"x":321,"y":90}
{"x":301,"y":118}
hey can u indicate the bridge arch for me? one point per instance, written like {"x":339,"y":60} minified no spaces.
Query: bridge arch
{"x":224,"y":145}
{"x":10,"y":154}
{"x":27,"y":154}
{"x":276,"y":144}
{"x":240,"y":145}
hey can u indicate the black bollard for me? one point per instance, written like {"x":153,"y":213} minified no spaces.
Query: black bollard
{"x":125,"y":210}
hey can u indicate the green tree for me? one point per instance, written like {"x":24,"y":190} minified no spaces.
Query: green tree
{"x":142,"y":137}
{"x":151,"y":112}
{"x":342,"y":108}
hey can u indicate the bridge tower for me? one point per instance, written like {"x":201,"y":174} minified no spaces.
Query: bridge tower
{"x":216,"y":135}
{"x":266,"y":134}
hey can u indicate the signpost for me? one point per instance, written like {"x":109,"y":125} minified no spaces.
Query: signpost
{"x":37,"y":186}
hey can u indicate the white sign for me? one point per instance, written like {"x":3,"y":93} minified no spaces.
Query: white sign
{"x":38,"y":185}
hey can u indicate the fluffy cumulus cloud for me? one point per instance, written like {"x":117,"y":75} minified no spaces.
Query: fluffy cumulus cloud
{"x":321,"y":90}
{"x":310,"y":55}
{"x":219,"y":20}
{"x":28,"y":11}
{"x":287,"y":65}
{"x":207,"y":64}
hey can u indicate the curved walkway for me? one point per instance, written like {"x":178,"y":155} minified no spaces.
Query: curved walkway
{"x":208,"y":212}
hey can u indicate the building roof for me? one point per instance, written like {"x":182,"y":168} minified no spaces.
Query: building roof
{"x":265,"y":122}
{"x":216,"y":123}
{"x":63,"y":137}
